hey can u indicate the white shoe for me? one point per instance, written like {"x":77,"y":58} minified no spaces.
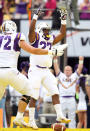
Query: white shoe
{"x":63,"y":120}
{"x":19,"y":122}
{"x":32,"y":124}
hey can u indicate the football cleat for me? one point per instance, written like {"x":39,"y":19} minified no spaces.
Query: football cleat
{"x":19,"y":122}
{"x":63,"y":120}
{"x":32,"y":124}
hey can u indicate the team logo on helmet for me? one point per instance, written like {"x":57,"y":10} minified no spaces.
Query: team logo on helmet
{"x":9,"y":27}
{"x":42,"y":26}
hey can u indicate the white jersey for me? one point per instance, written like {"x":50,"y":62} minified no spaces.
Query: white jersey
{"x":69,"y":83}
{"x":42,"y":60}
{"x":9,"y":49}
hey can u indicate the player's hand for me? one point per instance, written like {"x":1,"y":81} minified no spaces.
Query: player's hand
{"x":60,"y":49}
{"x":56,"y":51}
{"x":59,"y":52}
{"x":38,"y":11}
{"x":63,"y":13}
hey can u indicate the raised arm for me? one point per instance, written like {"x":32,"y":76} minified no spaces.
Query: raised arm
{"x":31,"y":35}
{"x":56,"y":65}
{"x":62,"y":33}
{"x":80,"y":65}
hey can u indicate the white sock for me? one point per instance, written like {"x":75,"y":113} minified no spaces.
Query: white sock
{"x":58,"y":110}
{"x":31,"y":113}
{"x":19,"y":115}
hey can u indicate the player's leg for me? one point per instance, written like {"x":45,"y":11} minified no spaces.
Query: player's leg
{"x":22,"y":85}
{"x":2,"y":91}
{"x":11,"y":76}
{"x":35,"y":79}
{"x":72,"y":112}
{"x":32,"y":123}
{"x":3,"y":81}
{"x":18,"y":81}
{"x":50,"y":83}
{"x":3,"y":86}
{"x":23,"y":102}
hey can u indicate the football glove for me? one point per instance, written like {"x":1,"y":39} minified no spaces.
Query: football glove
{"x":58,"y":50}
{"x":55,"y":52}
{"x":63,"y":13}
{"x":38,"y":11}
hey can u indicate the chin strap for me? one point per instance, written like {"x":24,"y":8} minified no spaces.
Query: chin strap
{"x":46,"y":37}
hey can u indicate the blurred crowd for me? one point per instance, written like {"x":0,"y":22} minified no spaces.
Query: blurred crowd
{"x":19,"y":9}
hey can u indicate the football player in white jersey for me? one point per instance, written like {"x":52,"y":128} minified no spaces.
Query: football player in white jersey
{"x":39,"y":72}
{"x":10,"y":44}
{"x":67,"y":89}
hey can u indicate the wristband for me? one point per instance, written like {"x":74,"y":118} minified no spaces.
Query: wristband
{"x":63,"y":22}
{"x":80,"y":61}
{"x":49,"y":52}
{"x":35,"y":17}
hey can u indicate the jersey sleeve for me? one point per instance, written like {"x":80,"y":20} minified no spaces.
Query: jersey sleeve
{"x":53,"y":37}
{"x":18,"y":37}
{"x":35,"y":43}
